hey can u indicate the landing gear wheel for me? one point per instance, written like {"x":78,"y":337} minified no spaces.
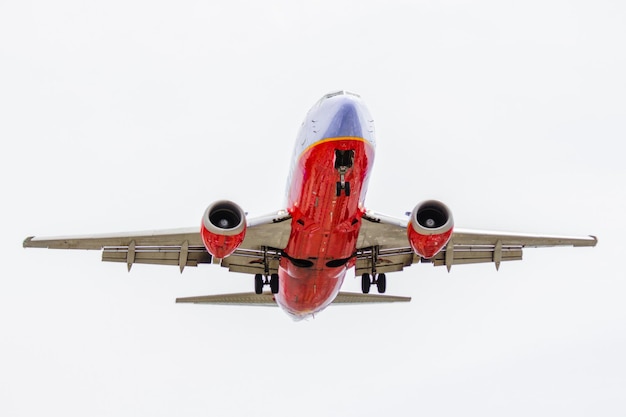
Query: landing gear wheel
{"x":274,"y":283}
{"x":381,"y":283}
{"x":258,"y":284}
{"x":347,"y":189}
{"x":366,"y":283}
{"x":338,"y":189}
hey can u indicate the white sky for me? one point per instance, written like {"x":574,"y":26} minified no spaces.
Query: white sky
{"x":130,"y":115}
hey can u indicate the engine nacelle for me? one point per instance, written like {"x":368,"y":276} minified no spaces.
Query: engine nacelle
{"x":430,"y":228}
{"x":223,"y":228}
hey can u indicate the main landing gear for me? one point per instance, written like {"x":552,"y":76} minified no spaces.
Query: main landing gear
{"x":260,"y":282}
{"x":375,"y":278}
{"x":379,"y":279}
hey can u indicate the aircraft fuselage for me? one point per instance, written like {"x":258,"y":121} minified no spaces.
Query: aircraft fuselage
{"x":333,"y":157}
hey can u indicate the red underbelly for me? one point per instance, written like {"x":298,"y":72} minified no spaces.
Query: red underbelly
{"x":325,"y":225}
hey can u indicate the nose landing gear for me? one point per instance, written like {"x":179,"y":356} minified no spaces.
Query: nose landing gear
{"x":343,"y":161}
{"x":343,"y":185}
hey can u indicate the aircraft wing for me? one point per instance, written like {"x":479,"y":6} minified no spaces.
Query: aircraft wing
{"x":388,"y":237}
{"x":265,"y":236}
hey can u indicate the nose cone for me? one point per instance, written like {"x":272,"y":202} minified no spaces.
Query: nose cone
{"x":342,"y":114}
{"x":345,"y":122}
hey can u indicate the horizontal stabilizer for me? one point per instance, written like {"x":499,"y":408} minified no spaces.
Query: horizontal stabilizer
{"x":267,"y":299}
{"x":357,"y":298}
{"x":242,"y":298}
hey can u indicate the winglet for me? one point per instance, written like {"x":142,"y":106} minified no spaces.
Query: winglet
{"x":591,"y":240}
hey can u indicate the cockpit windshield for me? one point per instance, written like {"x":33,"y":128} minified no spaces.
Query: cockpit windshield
{"x":339,"y":93}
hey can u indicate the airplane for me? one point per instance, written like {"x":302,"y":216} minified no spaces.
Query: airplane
{"x":303,"y":251}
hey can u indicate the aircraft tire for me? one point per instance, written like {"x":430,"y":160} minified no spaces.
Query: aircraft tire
{"x":274,"y":283}
{"x":258,"y":284}
{"x":366,"y":283}
{"x":381,"y":283}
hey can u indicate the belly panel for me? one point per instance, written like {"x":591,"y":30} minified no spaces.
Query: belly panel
{"x":325,"y":222}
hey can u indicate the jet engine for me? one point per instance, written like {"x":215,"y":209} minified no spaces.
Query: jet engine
{"x":223,"y":228}
{"x":430,"y":228}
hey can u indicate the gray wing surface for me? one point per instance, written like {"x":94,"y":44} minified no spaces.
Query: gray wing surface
{"x":386,"y":236}
{"x":182,"y":247}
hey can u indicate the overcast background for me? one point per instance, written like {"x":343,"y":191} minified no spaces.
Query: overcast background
{"x":133,"y":115}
